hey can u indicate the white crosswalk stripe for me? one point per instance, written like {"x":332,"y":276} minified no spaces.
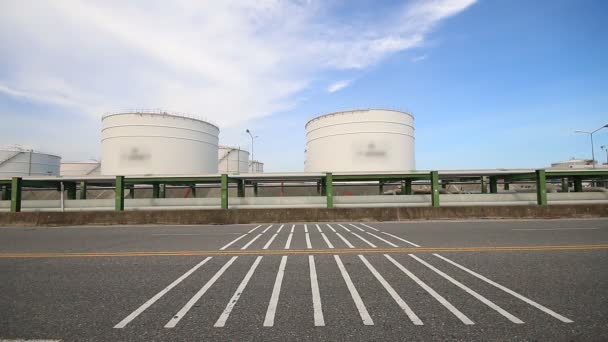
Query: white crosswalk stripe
{"x":364,"y":240}
{"x":367,"y":319}
{"x":316,"y":296}
{"x":276,"y":291}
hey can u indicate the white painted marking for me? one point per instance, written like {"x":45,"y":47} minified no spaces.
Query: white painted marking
{"x":471,"y":292}
{"x":345,"y":241}
{"x":237,"y":294}
{"x":402,"y":304}
{"x":316,"y":295}
{"x":253,"y":230}
{"x":159,"y":295}
{"x":319,"y":228}
{"x":269,"y":241}
{"x":233,"y":241}
{"x":507,"y":290}
{"x":24,"y":340}
{"x":184,"y":310}
{"x":364,"y":240}
{"x":308,"y":245}
{"x":383,"y":240}
{"x":330,"y":227}
{"x":367,"y":320}
{"x":305,"y":229}
{"x":293,"y":226}
{"x":352,"y":225}
{"x":327,"y":241}
{"x":174,"y":234}
{"x":462,"y":317}
{"x":370,"y":227}
{"x":250,"y":242}
{"x":288,"y":243}
{"x":281,"y":227}
{"x":400,"y":239}
{"x":276,"y":291}
{"x":265,"y":230}
{"x":341,"y":225}
{"x":528,"y":229}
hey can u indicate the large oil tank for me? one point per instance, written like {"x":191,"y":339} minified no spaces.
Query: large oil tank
{"x":18,"y":161}
{"x":232,"y":160}
{"x":360,"y":140}
{"x":256,"y":166}
{"x":157,"y":143}
{"x":81,"y":168}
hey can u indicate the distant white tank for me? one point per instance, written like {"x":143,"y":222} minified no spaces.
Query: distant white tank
{"x":360,"y":140}
{"x":81,"y":168}
{"x":232,"y":160}
{"x":16,"y":161}
{"x":256,"y":166}
{"x":157,"y":143}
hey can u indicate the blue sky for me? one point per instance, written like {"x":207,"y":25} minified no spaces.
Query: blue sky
{"x":492,"y":84}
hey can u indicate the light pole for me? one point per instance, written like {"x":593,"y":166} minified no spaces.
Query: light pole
{"x":604,"y":147}
{"x":591,"y":136}
{"x":252,"y":137}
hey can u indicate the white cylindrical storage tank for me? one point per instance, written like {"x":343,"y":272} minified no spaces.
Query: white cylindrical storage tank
{"x":256,"y":166}
{"x":232,"y":160}
{"x":81,"y":168}
{"x":150,"y":143}
{"x":16,"y":161}
{"x":360,"y":140}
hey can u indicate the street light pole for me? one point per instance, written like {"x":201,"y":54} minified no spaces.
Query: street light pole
{"x":252,"y":137}
{"x":592,"y":148}
{"x":604,"y":147}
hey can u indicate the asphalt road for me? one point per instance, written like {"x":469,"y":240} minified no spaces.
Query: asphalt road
{"x":541,"y":280}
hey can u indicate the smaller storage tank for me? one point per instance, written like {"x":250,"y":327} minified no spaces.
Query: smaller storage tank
{"x":256,"y":166}
{"x":16,"y":161}
{"x":232,"y":160}
{"x":81,"y":168}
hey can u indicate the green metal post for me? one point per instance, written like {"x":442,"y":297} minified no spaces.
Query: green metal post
{"x":381,"y":187}
{"x":70,"y":188}
{"x":155,"y":190}
{"x":484,"y":190}
{"x":255,"y":189}
{"x":119,"y":203}
{"x":241,"y":188}
{"x":565,"y":185}
{"x":329,"y":189}
{"x":435,"y":188}
{"x":493,"y":185}
{"x":408,"y":186}
{"x":16,"y":184}
{"x":578,"y":184}
{"x":224,"y":191}
{"x":132,"y":191}
{"x":541,"y":187}
{"x":83,"y":190}
{"x":506,"y":186}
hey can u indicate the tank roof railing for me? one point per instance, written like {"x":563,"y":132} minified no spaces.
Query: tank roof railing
{"x":158,"y":111}
{"x":345,"y":112}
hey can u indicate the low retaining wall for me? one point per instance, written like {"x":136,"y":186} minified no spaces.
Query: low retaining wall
{"x":233,"y":216}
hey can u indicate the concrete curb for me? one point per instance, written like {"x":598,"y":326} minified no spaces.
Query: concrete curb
{"x":240,"y":216}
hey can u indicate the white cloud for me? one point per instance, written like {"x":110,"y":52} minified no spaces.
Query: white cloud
{"x":229,"y":61}
{"x":337,"y":86}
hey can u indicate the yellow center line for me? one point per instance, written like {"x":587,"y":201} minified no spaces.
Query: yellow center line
{"x":308,"y":251}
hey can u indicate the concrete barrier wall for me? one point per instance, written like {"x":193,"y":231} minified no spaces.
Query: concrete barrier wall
{"x":277,"y":202}
{"x":234,"y":216}
{"x":381,"y":201}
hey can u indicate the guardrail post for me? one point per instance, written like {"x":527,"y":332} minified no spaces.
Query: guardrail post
{"x":255,"y":189}
{"x":224,"y":191}
{"x":565,"y":185}
{"x":329,"y":189}
{"x":83,"y":190}
{"x":119,"y":202}
{"x":155,"y":190}
{"x":435,"y":189}
{"x":578,"y":184}
{"x":71,"y":190}
{"x":493,"y":184}
{"x":541,"y":187}
{"x":241,"y":188}
{"x":16,"y":184}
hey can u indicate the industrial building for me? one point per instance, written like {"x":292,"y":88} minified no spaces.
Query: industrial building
{"x":80,"y":168}
{"x":157,"y":143}
{"x":16,"y":161}
{"x":360,"y":140}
